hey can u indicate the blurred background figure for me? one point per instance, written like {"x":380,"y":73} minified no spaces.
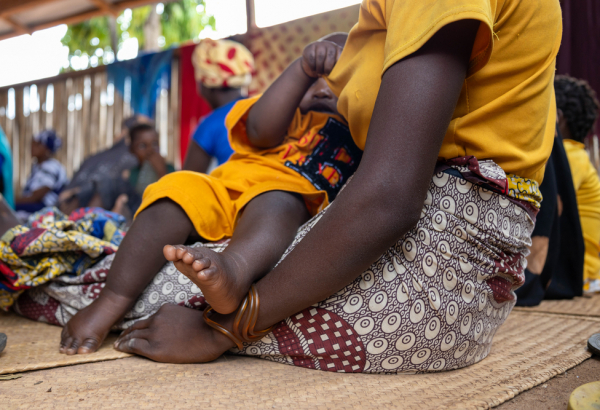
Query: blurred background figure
{"x":151,"y":166}
{"x":577,"y":114}
{"x":564,"y":260}
{"x":48,"y":176}
{"x":223,"y":71}
{"x":98,"y":182}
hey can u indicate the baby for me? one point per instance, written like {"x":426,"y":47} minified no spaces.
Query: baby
{"x":293,"y":153}
{"x":295,"y":145}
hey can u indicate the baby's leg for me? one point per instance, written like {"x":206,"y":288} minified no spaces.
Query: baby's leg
{"x":266,"y":228}
{"x":138,"y":260}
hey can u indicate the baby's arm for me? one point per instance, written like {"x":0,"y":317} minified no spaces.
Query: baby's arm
{"x":270,"y":117}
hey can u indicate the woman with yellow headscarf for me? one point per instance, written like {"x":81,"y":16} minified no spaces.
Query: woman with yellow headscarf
{"x":223,"y":71}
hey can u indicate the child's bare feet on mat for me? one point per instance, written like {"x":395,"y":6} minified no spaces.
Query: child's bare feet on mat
{"x":218,"y":275}
{"x":86,"y":331}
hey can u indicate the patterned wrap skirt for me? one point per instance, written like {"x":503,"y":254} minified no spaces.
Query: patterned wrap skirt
{"x":432,"y":302}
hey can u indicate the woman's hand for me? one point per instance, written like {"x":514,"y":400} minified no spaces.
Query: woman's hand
{"x":158,"y":163}
{"x":174,"y":334}
{"x":319,"y":58}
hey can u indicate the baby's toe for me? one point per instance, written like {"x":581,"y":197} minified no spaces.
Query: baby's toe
{"x":170,"y":253}
{"x":181,"y":251}
{"x":208,"y":274}
{"x":190,"y":256}
{"x":201,"y":264}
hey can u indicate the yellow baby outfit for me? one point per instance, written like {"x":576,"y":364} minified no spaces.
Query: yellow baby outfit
{"x":315,"y":160}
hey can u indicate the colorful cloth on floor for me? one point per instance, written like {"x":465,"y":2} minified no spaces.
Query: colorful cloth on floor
{"x":52,"y":244}
{"x":432,"y":302}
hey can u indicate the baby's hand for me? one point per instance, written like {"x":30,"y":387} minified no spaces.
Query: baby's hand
{"x":320,"y":57}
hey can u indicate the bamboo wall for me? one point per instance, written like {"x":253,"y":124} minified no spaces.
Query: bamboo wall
{"x":85,"y":110}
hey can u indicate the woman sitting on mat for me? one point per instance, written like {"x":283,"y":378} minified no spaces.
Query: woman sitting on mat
{"x":413,"y":266}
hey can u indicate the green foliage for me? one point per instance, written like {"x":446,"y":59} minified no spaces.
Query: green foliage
{"x":180,"y":21}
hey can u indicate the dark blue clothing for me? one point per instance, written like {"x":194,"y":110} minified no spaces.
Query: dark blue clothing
{"x":211,"y":134}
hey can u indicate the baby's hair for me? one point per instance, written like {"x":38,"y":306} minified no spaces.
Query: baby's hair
{"x":137,"y":129}
{"x":578,"y":103}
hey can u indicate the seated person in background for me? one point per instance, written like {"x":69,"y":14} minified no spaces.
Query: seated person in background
{"x":577,"y":114}
{"x":144,"y":146}
{"x":48,"y":177}
{"x":223,"y":71}
{"x":293,"y":153}
{"x":98,"y":181}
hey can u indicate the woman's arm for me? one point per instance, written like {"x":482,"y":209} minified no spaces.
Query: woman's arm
{"x":271,"y":115}
{"x":415,"y":104}
{"x":197,"y":159}
{"x":159,"y":164}
{"x":384,"y":199}
{"x":36,"y":196}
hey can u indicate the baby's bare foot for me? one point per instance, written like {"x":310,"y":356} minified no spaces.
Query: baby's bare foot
{"x":86,"y":331}
{"x":218,"y":275}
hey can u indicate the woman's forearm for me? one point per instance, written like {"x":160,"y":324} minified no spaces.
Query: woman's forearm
{"x":270,"y":117}
{"x":36,"y":196}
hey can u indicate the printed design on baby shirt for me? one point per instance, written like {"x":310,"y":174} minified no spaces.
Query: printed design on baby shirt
{"x":332,"y":162}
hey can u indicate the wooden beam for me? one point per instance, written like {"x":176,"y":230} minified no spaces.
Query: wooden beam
{"x":10,"y":7}
{"x":18,"y":27}
{"x":106,"y":7}
{"x":130,"y":4}
{"x":78,"y":18}
{"x":250,"y":16}
{"x":57,"y":78}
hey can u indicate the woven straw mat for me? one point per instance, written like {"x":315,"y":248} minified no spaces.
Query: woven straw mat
{"x":529,"y":349}
{"x":583,"y":306}
{"x":34,"y":345}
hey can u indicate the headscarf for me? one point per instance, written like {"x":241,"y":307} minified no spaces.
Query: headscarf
{"x":49,"y":139}
{"x":223,"y":63}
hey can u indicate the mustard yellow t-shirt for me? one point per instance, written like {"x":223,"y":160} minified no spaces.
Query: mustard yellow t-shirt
{"x":506,"y":111}
{"x":587,"y":192}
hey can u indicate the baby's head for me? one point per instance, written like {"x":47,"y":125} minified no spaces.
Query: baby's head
{"x":319,"y":96}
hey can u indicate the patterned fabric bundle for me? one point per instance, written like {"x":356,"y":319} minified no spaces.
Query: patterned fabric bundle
{"x":223,"y":63}
{"x":51,"y":245}
{"x":432,"y":302}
